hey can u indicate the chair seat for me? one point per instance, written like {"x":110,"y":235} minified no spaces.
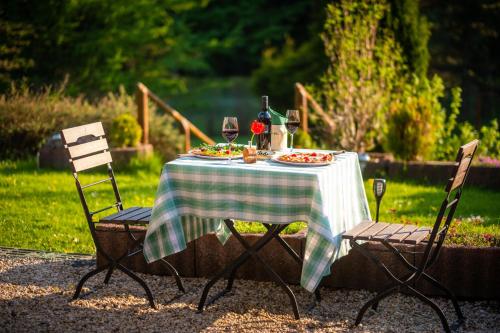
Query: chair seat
{"x":389,"y":232}
{"x":132,"y":215}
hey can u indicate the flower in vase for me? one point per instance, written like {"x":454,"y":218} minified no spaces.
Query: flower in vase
{"x":257,"y":128}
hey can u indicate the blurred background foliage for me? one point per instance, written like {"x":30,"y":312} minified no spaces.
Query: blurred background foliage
{"x":212,"y":57}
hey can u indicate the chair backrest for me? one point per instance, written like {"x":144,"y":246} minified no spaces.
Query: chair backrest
{"x":87,"y":148}
{"x":455,"y":185}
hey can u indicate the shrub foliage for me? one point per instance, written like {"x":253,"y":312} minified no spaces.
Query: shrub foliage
{"x":28,"y":118}
{"x":125,"y":131}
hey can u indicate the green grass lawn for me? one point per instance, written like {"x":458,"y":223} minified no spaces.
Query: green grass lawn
{"x":40,"y":209}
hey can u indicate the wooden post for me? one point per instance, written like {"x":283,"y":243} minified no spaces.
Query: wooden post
{"x":301,"y":104}
{"x":143,"y":112}
{"x":187,"y":133}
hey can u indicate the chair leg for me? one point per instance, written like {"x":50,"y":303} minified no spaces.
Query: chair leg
{"x":433,"y":305}
{"x":448,"y":293}
{"x":175,"y":274}
{"x":375,"y":305}
{"x":86,"y":277}
{"x":140,"y":281}
{"x":381,"y":295}
{"x":108,"y":274}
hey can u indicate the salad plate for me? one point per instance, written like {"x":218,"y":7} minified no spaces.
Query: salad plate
{"x":217,"y":152}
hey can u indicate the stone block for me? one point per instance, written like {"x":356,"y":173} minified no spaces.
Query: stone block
{"x":115,"y":241}
{"x":356,"y":271}
{"x":469,"y":272}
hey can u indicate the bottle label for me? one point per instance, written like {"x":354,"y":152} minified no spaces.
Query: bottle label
{"x":278,"y":137}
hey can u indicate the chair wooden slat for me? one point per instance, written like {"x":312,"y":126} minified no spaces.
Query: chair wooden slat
{"x":88,"y":148}
{"x":464,"y":159}
{"x":120,"y":213}
{"x":91,"y":161}
{"x":130,"y":216}
{"x":460,"y":174}
{"x":387,"y":232}
{"x":141,"y":222}
{"x":141,"y":216}
{"x":350,"y":234}
{"x":469,"y":148}
{"x":372,"y":231}
{"x":71,"y":135}
{"x":401,"y":234}
{"x":418,"y":235}
{"x":146,"y":218}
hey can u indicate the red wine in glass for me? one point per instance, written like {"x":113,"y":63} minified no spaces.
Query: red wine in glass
{"x":230,"y":134}
{"x":292,"y":123}
{"x":230,"y":131}
{"x":292,"y":126}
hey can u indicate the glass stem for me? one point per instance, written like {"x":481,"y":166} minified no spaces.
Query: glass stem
{"x":229,"y":159}
{"x":291,"y":144}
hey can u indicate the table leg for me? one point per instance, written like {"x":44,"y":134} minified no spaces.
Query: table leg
{"x":295,"y":256}
{"x":232,"y":266}
{"x":230,"y":224}
{"x":273,"y":232}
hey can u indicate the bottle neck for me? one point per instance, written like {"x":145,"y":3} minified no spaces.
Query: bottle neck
{"x":265,"y":104}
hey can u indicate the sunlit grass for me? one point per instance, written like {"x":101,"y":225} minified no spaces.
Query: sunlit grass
{"x":40,"y":209}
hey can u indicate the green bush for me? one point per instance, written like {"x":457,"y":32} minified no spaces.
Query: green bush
{"x":303,"y":140}
{"x":415,"y":119}
{"x":125,"y":131}
{"x":490,"y":140}
{"x":456,"y":134}
{"x":27,"y":119}
{"x":165,"y":136}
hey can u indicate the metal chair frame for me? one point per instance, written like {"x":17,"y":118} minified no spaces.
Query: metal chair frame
{"x":273,"y":231}
{"x":431,"y":250}
{"x":94,"y":132}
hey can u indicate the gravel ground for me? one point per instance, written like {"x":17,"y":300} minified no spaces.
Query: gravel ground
{"x":35,"y":296}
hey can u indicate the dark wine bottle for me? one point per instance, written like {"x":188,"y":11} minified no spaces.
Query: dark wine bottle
{"x":264,"y":139}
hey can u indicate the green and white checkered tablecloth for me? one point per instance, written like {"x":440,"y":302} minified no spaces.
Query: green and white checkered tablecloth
{"x":195,"y":196}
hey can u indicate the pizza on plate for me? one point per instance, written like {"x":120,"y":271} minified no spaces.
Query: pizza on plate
{"x":306,"y":158}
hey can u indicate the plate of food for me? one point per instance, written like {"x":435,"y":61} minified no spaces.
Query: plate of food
{"x":309,"y":159}
{"x":217,"y":152}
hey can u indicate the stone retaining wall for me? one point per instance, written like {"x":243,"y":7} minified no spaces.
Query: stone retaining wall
{"x":472,"y":273}
{"x":432,"y":172}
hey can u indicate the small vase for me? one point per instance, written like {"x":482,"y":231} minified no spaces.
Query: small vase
{"x":249,"y":153}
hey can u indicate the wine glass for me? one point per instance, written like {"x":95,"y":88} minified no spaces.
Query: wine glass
{"x":292,"y":124}
{"x":230,"y":132}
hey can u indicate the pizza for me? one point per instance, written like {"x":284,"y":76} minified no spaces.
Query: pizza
{"x":306,"y":158}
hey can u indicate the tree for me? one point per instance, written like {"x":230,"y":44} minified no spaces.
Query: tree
{"x":364,"y":63}
{"x":100,"y":44}
{"x":412,"y":32}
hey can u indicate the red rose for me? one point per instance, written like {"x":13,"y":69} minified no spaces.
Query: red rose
{"x":257,"y":127}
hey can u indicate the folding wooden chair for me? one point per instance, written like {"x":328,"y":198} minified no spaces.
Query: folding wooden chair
{"x":87,"y":148}
{"x":432,"y":239}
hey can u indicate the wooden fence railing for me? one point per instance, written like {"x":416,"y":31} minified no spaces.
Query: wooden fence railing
{"x":302,"y":101}
{"x":143,"y":94}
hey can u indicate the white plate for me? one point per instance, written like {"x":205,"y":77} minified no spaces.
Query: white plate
{"x":275,"y":159}
{"x":234,"y":157}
